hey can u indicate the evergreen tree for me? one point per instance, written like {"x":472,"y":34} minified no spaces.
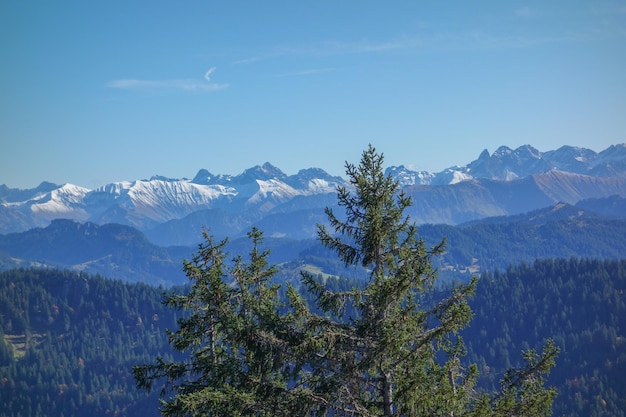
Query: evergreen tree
{"x":382,"y":361}
{"x":383,"y":349}
{"x":241,"y":360}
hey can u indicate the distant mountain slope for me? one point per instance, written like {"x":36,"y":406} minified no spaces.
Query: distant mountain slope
{"x":580,"y":304}
{"x":68,"y":343}
{"x":111,"y":250}
{"x":562,"y":231}
{"x":123,"y":252}
{"x":295,"y":219}
{"x":613,"y":206}
{"x":147,"y":203}
{"x":571,"y":188}
{"x":505,"y":182}
{"x":477,"y":199}
{"x":506,"y":164}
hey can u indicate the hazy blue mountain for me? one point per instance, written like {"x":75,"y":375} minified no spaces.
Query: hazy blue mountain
{"x":119,"y":251}
{"x":508,"y":164}
{"x":502,"y":183}
{"x":111,"y":250}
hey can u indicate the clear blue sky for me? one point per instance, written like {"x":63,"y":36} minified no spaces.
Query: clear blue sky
{"x":96,"y":92}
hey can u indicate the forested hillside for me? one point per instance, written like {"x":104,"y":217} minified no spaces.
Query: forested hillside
{"x":581,"y":304}
{"x":70,"y":340}
{"x":122,"y":252}
{"x":496,"y":244}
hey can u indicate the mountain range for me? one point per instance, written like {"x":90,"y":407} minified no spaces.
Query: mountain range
{"x":174,"y":211}
{"x":591,"y":229}
{"x":516,"y":206}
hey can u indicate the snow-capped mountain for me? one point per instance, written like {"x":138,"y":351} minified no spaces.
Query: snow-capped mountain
{"x":490,"y":185}
{"x":405,"y":176}
{"x":66,"y":201}
{"x":146,"y":203}
{"x":508,"y":164}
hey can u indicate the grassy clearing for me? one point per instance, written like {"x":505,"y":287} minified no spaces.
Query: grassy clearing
{"x":21,"y":342}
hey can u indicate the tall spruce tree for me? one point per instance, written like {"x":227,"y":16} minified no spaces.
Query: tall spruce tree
{"x":238,"y":342}
{"x":384,"y":359}
{"x":394,"y":352}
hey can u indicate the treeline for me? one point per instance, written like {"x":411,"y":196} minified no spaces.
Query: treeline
{"x":69,"y":340}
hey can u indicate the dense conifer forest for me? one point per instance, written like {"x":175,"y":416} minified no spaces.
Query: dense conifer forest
{"x":581,"y":305}
{"x":69,"y":340}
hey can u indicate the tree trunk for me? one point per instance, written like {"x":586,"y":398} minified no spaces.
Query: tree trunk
{"x":387,"y":395}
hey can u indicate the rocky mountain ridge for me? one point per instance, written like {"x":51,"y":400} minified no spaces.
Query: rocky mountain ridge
{"x":505,"y":182}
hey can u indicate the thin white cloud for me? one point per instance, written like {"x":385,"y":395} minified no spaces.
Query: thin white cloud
{"x":364,"y":47}
{"x":207,"y":75}
{"x":246,"y":61}
{"x":343,"y":48}
{"x":329,"y":48}
{"x":188,"y":85}
{"x":439,"y":41}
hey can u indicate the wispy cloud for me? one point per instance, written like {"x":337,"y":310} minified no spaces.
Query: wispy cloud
{"x":473,"y":40}
{"x":189,"y":85}
{"x":246,"y":60}
{"x":207,"y":75}
{"x":330,"y":48}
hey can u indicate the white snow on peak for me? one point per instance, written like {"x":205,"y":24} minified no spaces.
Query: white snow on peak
{"x":71,"y":192}
{"x":116,"y":188}
{"x":452,"y":175}
{"x":67,"y":200}
{"x":166,"y":200}
{"x":318,"y":186}
{"x":458,"y":176}
{"x":274,"y":188}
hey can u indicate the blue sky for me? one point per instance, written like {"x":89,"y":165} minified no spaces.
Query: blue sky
{"x":97,"y":92}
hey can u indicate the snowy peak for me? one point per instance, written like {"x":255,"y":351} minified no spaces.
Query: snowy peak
{"x":407,"y":177}
{"x":453,"y":175}
{"x":62,"y":201}
{"x":145,"y":203}
{"x":11,"y":195}
{"x":310,"y":180}
{"x":266,"y":189}
{"x":314,"y":180}
{"x":203,"y":177}
{"x":506,"y":164}
{"x":571,"y":159}
{"x":263,"y":172}
{"x":162,"y":178}
{"x":158,"y":199}
{"x":260,"y":172}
